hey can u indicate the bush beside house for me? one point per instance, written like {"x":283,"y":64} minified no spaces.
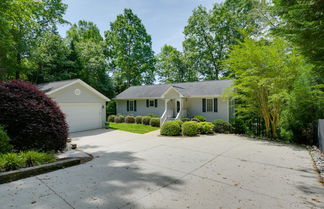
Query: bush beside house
{"x":170,"y":128}
{"x":146,"y":120}
{"x":222,"y":126}
{"x":130,"y":119}
{"x":190,"y":128}
{"x":155,"y":122}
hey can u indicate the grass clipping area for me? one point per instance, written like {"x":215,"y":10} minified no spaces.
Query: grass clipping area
{"x":133,"y":127}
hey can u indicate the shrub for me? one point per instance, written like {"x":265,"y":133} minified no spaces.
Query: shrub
{"x":190,"y":128}
{"x":32,"y":119}
{"x":32,"y":158}
{"x":237,"y":125}
{"x":206,"y":127}
{"x":195,"y":119}
{"x":4,"y":141}
{"x":11,"y":161}
{"x":200,"y":118}
{"x":138,"y":119}
{"x":130,"y":119}
{"x":222,"y":126}
{"x":185,"y":119}
{"x":111,"y":118}
{"x":170,"y":128}
{"x":155,"y":122}
{"x":146,"y":120}
{"x":153,"y":116}
{"x":107,"y":125}
{"x":111,"y":108}
{"x":179,"y":122}
{"x":119,"y":119}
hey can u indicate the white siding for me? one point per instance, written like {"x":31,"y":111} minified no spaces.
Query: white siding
{"x":141,"y":108}
{"x":194,"y":107}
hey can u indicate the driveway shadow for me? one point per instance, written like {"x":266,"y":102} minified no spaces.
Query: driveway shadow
{"x":90,"y":133}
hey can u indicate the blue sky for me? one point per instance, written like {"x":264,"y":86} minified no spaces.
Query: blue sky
{"x":164,"y":20}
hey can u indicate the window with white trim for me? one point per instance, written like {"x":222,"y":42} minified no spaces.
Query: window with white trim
{"x":209,"y":105}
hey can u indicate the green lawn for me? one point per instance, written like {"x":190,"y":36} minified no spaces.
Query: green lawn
{"x":132,"y":127}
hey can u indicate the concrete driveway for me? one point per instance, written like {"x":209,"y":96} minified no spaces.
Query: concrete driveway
{"x":149,"y":171}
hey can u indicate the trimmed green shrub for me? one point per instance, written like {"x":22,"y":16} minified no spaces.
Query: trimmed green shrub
{"x":32,"y":158}
{"x":111,"y":118}
{"x":11,"y":161}
{"x":130,"y":119}
{"x":4,"y":141}
{"x":200,"y":118}
{"x":138,"y":119}
{"x":119,"y":119}
{"x":146,"y":120}
{"x":170,"y":128}
{"x":107,"y":125}
{"x":185,"y":119}
{"x":153,"y":116}
{"x":179,"y":122}
{"x":222,"y":126}
{"x":155,"y":122}
{"x":238,"y":125}
{"x":206,"y":127}
{"x":190,"y":128}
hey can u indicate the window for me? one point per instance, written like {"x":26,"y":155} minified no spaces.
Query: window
{"x":210,"y":105}
{"x":131,"y":105}
{"x":151,"y":103}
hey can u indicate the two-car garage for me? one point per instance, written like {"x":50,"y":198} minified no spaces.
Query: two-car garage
{"x":83,"y":106}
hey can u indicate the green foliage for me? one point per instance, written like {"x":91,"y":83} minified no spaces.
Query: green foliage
{"x":170,"y":128}
{"x":146,"y":120}
{"x":222,"y":126}
{"x":180,"y":122}
{"x":264,"y":74}
{"x":206,"y":127}
{"x":111,"y":108}
{"x":172,"y":68}
{"x":185,"y":119}
{"x":138,"y":119}
{"x":84,"y":31}
{"x":119,"y":119}
{"x":129,"y":51}
{"x":190,"y":128}
{"x":14,"y":161}
{"x":153,"y":115}
{"x":130,"y":119}
{"x":155,"y":122}
{"x":238,"y":125}
{"x":4,"y":141}
{"x":200,"y":118}
{"x":111,"y":118}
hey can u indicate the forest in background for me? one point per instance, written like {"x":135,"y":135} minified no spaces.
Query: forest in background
{"x":274,"y":50}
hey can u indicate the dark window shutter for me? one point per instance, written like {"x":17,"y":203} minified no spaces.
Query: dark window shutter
{"x":204,"y":105}
{"x":127,"y":105}
{"x":215,"y":105}
{"x":147,"y":103}
{"x":155,"y":102}
{"x":135,"y":105}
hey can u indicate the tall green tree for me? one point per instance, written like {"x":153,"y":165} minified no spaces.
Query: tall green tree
{"x":264,"y":72}
{"x":302,"y":23}
{"x":172,"y":67}
{"x":129,"y":51}
{"x":84,"y":31}
{"x":210,"y":34}
{"x":22,"y":21}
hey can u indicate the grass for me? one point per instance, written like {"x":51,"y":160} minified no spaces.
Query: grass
{"x":133,"y":127}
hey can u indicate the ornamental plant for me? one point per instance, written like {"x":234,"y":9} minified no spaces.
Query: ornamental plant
{"x":32,"y":119}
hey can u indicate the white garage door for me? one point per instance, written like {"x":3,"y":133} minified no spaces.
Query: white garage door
{"x":81,"y":117}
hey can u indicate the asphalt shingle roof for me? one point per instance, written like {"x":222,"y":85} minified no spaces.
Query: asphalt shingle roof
{"x":47,"y":87}
{"x":189,"y":89}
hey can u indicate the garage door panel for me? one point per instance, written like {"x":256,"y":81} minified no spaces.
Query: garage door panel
{"x":81,"y":117}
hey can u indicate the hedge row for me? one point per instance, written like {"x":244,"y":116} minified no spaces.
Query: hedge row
{"x":193,"y":128}
{"x":146,"y":120}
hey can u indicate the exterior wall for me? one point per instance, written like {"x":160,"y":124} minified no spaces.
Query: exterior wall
{"x":194,"y":107}
{"x":141,"y":108}
{"x":67,"y":96}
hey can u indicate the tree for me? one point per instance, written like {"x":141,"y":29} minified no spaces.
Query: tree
{"x":87,"y":54}
{"x":22,"y":21}
{"x":210,"y":34}
{"x":129,"y":51}
{"x":264,"y":74}
{"x":303,"y":25}
{"x":51,"y":58}
{"x":171,"y":66}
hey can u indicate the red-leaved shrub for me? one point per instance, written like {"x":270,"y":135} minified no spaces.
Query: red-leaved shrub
{"x":31,"y":119}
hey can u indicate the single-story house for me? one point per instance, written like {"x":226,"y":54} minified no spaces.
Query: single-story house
{"x":175,"y":101}
{"x":83,"y":106}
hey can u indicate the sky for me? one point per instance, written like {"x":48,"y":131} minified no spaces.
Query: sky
{"x":164,"y":20}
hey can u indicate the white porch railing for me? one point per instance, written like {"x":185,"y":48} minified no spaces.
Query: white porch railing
{"x":164,"y":116}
